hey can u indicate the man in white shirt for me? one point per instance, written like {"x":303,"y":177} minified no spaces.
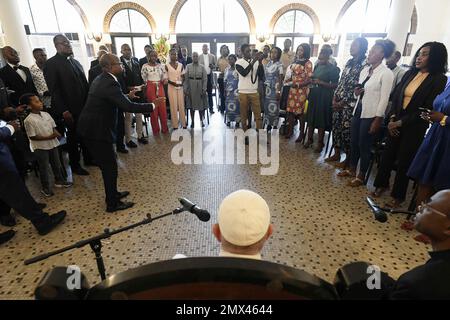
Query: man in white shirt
{"x":399,"y":72}
{"x":243,"y":225}
{"x":250,"y":70}
{"x":209,"y":61}
{"x":37,"y":73}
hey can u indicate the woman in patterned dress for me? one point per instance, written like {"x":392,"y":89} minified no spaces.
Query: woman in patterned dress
{"x":231,"y":80}
{"x":274,"y":82}
{"x":299,"y":73}
{"x":344,"y":101}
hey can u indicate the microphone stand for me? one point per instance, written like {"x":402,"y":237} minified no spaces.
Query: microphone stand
{"x":96,"y":242}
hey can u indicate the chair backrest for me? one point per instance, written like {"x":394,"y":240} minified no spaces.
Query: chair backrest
{"x":213,"y":279}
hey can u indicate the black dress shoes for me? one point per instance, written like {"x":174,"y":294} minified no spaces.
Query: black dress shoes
{"x":80,"y":171}
{"x":122,"y":150}
{"x":124,"y":194}
{"x":6,"y":236}
{"x":49,"y":224}
{"x":7,"y":220}
{"x":131,"y":144}
{"x":120,"y":206}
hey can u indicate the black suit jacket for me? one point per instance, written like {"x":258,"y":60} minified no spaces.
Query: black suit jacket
{"x":94,"y":73}
{"x":94,"y":63}
{"x":69,"y":91}
{"x":132,"y":77}
{"x":13,"y":81}
{"x":98,"y":120}
{"x":4,"y":100}
{"x":430,"y":281}
{"x":424,"y":97}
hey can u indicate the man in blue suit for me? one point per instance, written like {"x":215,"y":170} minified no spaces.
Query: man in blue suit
{"x":14,"y":193}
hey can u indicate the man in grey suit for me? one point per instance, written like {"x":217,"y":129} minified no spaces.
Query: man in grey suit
{"x":209,"y":61}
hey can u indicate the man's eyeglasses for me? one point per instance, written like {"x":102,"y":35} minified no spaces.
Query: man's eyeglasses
{"x":424,"y":206}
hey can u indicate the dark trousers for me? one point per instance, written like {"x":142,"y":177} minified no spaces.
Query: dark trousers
{"x":14,"y":194}
{"x":46,"y":158}
{"x":120,"y":130}
{"x":74,"y":144}
{"x":105,"y":156}
{"x":361,"y":142}
{"x":221,"y":83}
{"x":209,"y":89}
{"x":400,"y":151}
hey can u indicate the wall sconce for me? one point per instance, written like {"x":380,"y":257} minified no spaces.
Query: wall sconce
{"x":97,"y":36}
{"x":165,"y":36}
{"x":263,"y":37}
{"x":328,"y":36}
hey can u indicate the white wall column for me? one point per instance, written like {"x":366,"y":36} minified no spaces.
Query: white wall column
{"x":400,"y":21}
{"x":13,"y":27}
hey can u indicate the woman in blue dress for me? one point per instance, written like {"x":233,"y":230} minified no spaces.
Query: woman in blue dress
{"x":431,"y":166}
{"x":233,"y":111}
{"x":273,"y":84}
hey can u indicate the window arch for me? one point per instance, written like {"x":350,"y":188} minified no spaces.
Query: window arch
{"x":215,"y":17}
{"x":49,"y":16}
{"x":297,"y":22}
{"x":129,"y":23}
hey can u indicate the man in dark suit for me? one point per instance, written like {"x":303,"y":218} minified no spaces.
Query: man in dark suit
{"x":14,"y":193}
{"x":69,"y":89}
{"x":120,"y":136}
{"x":132,"y":78}
{"x":97,"y":125}
{"x":430,"y":281}
{"x":16,"y":77}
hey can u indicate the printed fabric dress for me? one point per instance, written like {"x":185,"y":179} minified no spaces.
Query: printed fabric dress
{"x":299,"y":72}
{"x":432,"y":163}
{"x":273,"y":72}
{"x":233,"y":111}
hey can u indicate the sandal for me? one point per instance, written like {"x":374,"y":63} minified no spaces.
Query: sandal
{"x":393,"y":204}
{"x":341,"y":165}
{"x":345,"y":174}
{"x":334,"y":158}
{"x":355,"y":183}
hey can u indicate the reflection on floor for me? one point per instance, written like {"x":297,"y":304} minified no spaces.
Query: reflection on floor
{"x":320,"y":223}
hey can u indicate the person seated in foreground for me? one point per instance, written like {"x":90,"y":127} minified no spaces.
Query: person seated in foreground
{"x":243,"y":225}
{"x":430,"y":281}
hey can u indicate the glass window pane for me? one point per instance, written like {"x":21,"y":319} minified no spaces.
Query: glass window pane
{"x":44,"y":16}
{"x":63,"y":10}
{"x":354,"y":18}
{"x":119,"y":41}
{"x":139,"y":44}
{"x":26,"y":14}
{"x":120,"y":22}
{"x":139,"y":22}
{"x":285,"y":23}
{"x":198,"y":47}
{"x":188,"y":20}
{"x":235,"y":13}
{"x":212,"y":16}
{"x":377,"y":16}
{"x":303,"y":23}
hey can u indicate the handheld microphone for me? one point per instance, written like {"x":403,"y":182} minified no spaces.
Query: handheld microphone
{"x":379,"y":214}
{"x":203,"y":215}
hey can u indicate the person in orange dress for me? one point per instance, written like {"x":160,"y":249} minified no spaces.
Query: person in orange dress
{"x":299,"y":75}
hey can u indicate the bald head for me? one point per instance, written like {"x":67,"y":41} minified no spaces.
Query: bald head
{"x":433,"y":220}
{"x":11,"y":55}
{"x":63,"y":45}
{"x":111,"y":63}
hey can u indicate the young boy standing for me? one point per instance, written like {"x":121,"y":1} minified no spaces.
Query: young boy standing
{"x":40,"y":128}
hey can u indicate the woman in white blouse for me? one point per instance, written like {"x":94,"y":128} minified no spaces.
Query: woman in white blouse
{"x":373,"y":92}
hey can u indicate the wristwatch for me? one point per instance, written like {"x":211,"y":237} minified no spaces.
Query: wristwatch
{"x":444,"y":121}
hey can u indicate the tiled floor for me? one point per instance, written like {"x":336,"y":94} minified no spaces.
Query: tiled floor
{"x":320,"y":224}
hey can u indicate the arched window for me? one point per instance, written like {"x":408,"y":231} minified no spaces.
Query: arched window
{"x":218,"y":16}
{"x":129,"y":23}
{"x":295,"y":25}
{"x":51,"y":16}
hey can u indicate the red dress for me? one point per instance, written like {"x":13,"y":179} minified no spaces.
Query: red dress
{"x":298,"y":96}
